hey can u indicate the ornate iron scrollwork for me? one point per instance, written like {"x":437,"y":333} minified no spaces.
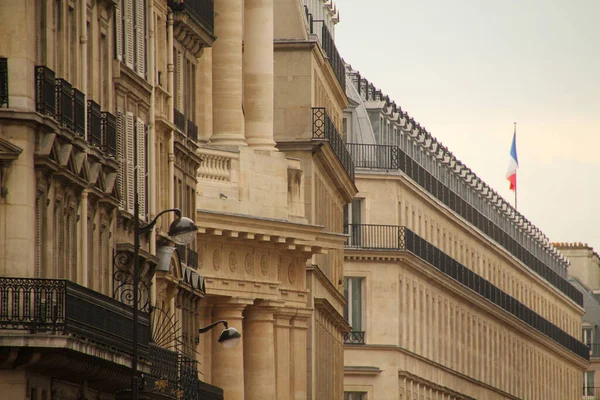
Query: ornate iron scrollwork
{"x":123,"y":282}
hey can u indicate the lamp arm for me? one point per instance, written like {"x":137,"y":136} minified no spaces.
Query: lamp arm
{"x":209,"y":327}
{"x":147,"y":228}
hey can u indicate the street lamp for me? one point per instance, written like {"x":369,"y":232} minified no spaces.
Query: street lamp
{"x":229,"y":337}
{"x":182,"y":231}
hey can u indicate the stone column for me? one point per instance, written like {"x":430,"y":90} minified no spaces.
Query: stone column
{"x":228,"y":364}
{"x":258,"y":73}
{"x":259,"y":352}
{"x":298,"y":338}
{"x":282,"y":354}
{"x":228,"y":119}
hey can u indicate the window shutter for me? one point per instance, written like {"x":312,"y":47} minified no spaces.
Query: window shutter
{"x":130,"y":131}
{"x":118,"y":31}
{"x":121,"y":157}
{"x":140,"y":36}
{"x":129,"y":33}
{"x":141,"y":165}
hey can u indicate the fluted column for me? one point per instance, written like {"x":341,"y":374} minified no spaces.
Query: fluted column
{"x":228,"y":364}
{"x":259,"y":353}
{"x":228,"y":120}
{"x":258,"y":73}
{"x":282,"y":354}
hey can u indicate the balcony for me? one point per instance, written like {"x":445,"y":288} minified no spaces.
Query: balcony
{"x":192,"y":258}
{"x":60,"y":307}
{"x":386,"y":157}
{"x":79,"y":108}
{"x":354,"y":337}
{"x":192,"y":131}
{"x":202,"y":11}
{"x":94,"y":131}
{"x":324,"y":129}
{"x":179,"y":120}
{"x":3,"y":82}
{"x":109,"y":134}
{"x":591,"y":393}
{"x":193,"y":23}
{"x":176,"y":376}
{"x":64,"y":103}
{"x":594,"y":350}
{"x":45,"y":91}
{"x":329,"y":47}
{"x":399,"y":238}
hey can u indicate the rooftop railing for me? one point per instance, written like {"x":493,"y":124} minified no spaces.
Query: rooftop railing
{"x":324,"y":129}
{"x":56,"y":306}
{"x":392,"y":157}
{"x":390,"y":237}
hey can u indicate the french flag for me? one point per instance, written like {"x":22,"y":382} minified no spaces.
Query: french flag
{"x":513,"y":164}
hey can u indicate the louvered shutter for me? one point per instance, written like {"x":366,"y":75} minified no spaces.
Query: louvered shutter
{"x":141,"y":166}
{"x":118,"y":31}
{"x":140,"y":36}
{"x":128,"y":11}
{"x":130,"y":131}
{"x":121,"y":157}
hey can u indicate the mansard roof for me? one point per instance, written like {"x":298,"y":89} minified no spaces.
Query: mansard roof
{"x":371,"y":96}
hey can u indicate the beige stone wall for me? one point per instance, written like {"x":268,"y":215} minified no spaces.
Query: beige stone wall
{"x":584,"y":264}
{"x":420,"y":213}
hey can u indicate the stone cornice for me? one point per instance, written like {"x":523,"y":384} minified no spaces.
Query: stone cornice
{"x":330,"y":286}
{"x":331,"y":313}
{"x":362,"y":370}
{"x":433,"y":385}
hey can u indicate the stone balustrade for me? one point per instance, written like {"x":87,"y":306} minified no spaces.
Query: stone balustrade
{"x":216,"y":165}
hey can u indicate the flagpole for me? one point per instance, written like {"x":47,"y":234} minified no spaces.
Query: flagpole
{"x":516,"y":177}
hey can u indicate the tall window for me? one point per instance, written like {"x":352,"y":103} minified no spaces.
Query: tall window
{"x":352,"y":221}
{"x":353,"y":308}
{"x":355,"y":395}
{"x":130,"y":34}
{"x":588,"y":383}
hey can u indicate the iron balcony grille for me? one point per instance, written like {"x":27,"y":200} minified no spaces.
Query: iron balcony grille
{"x":380,"y":237}
{"x":94,"y":124}
{"x":324,"y":129}
{"x":58,"y":306}
{"x":393,"y":157}
{"x":3,"y":82}
{"x":45,"y":91}
{"x":192,"y":131}
{"x":181,"y":251}
{"x":594,"y":349}
{"x":202,"y":11}
{"x":109,"y":134}
{"x":64,"y":103}
{"x":354,"y":337}
{"x":179,"y":120}
{"x":591,"y":393}
{"x":79,"y":112}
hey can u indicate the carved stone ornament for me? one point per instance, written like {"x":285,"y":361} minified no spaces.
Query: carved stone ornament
{"x":233,"y":261}
{"x":249,"y":263}
{"x":292,"y":273}
{"x":264,"y":264}
{"x":216,"y":259}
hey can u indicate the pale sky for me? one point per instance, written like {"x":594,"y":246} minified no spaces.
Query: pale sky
{"x":466,"y":70}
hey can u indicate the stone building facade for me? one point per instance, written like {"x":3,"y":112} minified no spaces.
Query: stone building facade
{"x":228,"y":110}
{"x":584,"y":274}
{"x":452,"y":293}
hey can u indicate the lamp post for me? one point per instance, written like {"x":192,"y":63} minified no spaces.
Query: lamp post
{"x":181,"y":231}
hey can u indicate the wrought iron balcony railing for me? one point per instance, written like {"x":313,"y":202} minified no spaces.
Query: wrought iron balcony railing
{"x":192,"y":131}
{"x":594,"y":349}
{"x":109,"y":134}
{"x":355,"y":337}
{"x":179,"y":120}
{"x":64,"y":103}
{"x":3,"y":82}
{"x":202,"y":11}
{"x":591,"y":393}
{"x":393,"y":157}
{"x":57,"y":306}
{"x":79,"y":112}
{"x":324,"y":129}
{"x":176,"y":376}
{"x":390,"y":237}
{"x":94,"y":121}
{"x":45,"y":91}
{"x":329,"y":47}
{"x":192,"y":258}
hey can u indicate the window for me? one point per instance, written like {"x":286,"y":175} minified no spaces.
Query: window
{"x":353,"y":308}
{"x":588,"y":383}
{"x":355,"y":395}
{"x":588,"y":335}
{"x":130,"y":34}
{"x":352,"y":221}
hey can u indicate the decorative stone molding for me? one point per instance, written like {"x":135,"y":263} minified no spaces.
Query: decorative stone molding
{"x":264,"y":264}
{"x":233,"y":260}
{"x":216,"y":165}
{"x":216,"y":259}
{"x":249,"y":263}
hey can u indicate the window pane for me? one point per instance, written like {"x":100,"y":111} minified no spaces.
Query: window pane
{"x":346,"y":284}
{"x":356,"y":319}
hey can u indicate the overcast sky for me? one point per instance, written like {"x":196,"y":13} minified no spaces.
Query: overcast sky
{"x":468,"y":69}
